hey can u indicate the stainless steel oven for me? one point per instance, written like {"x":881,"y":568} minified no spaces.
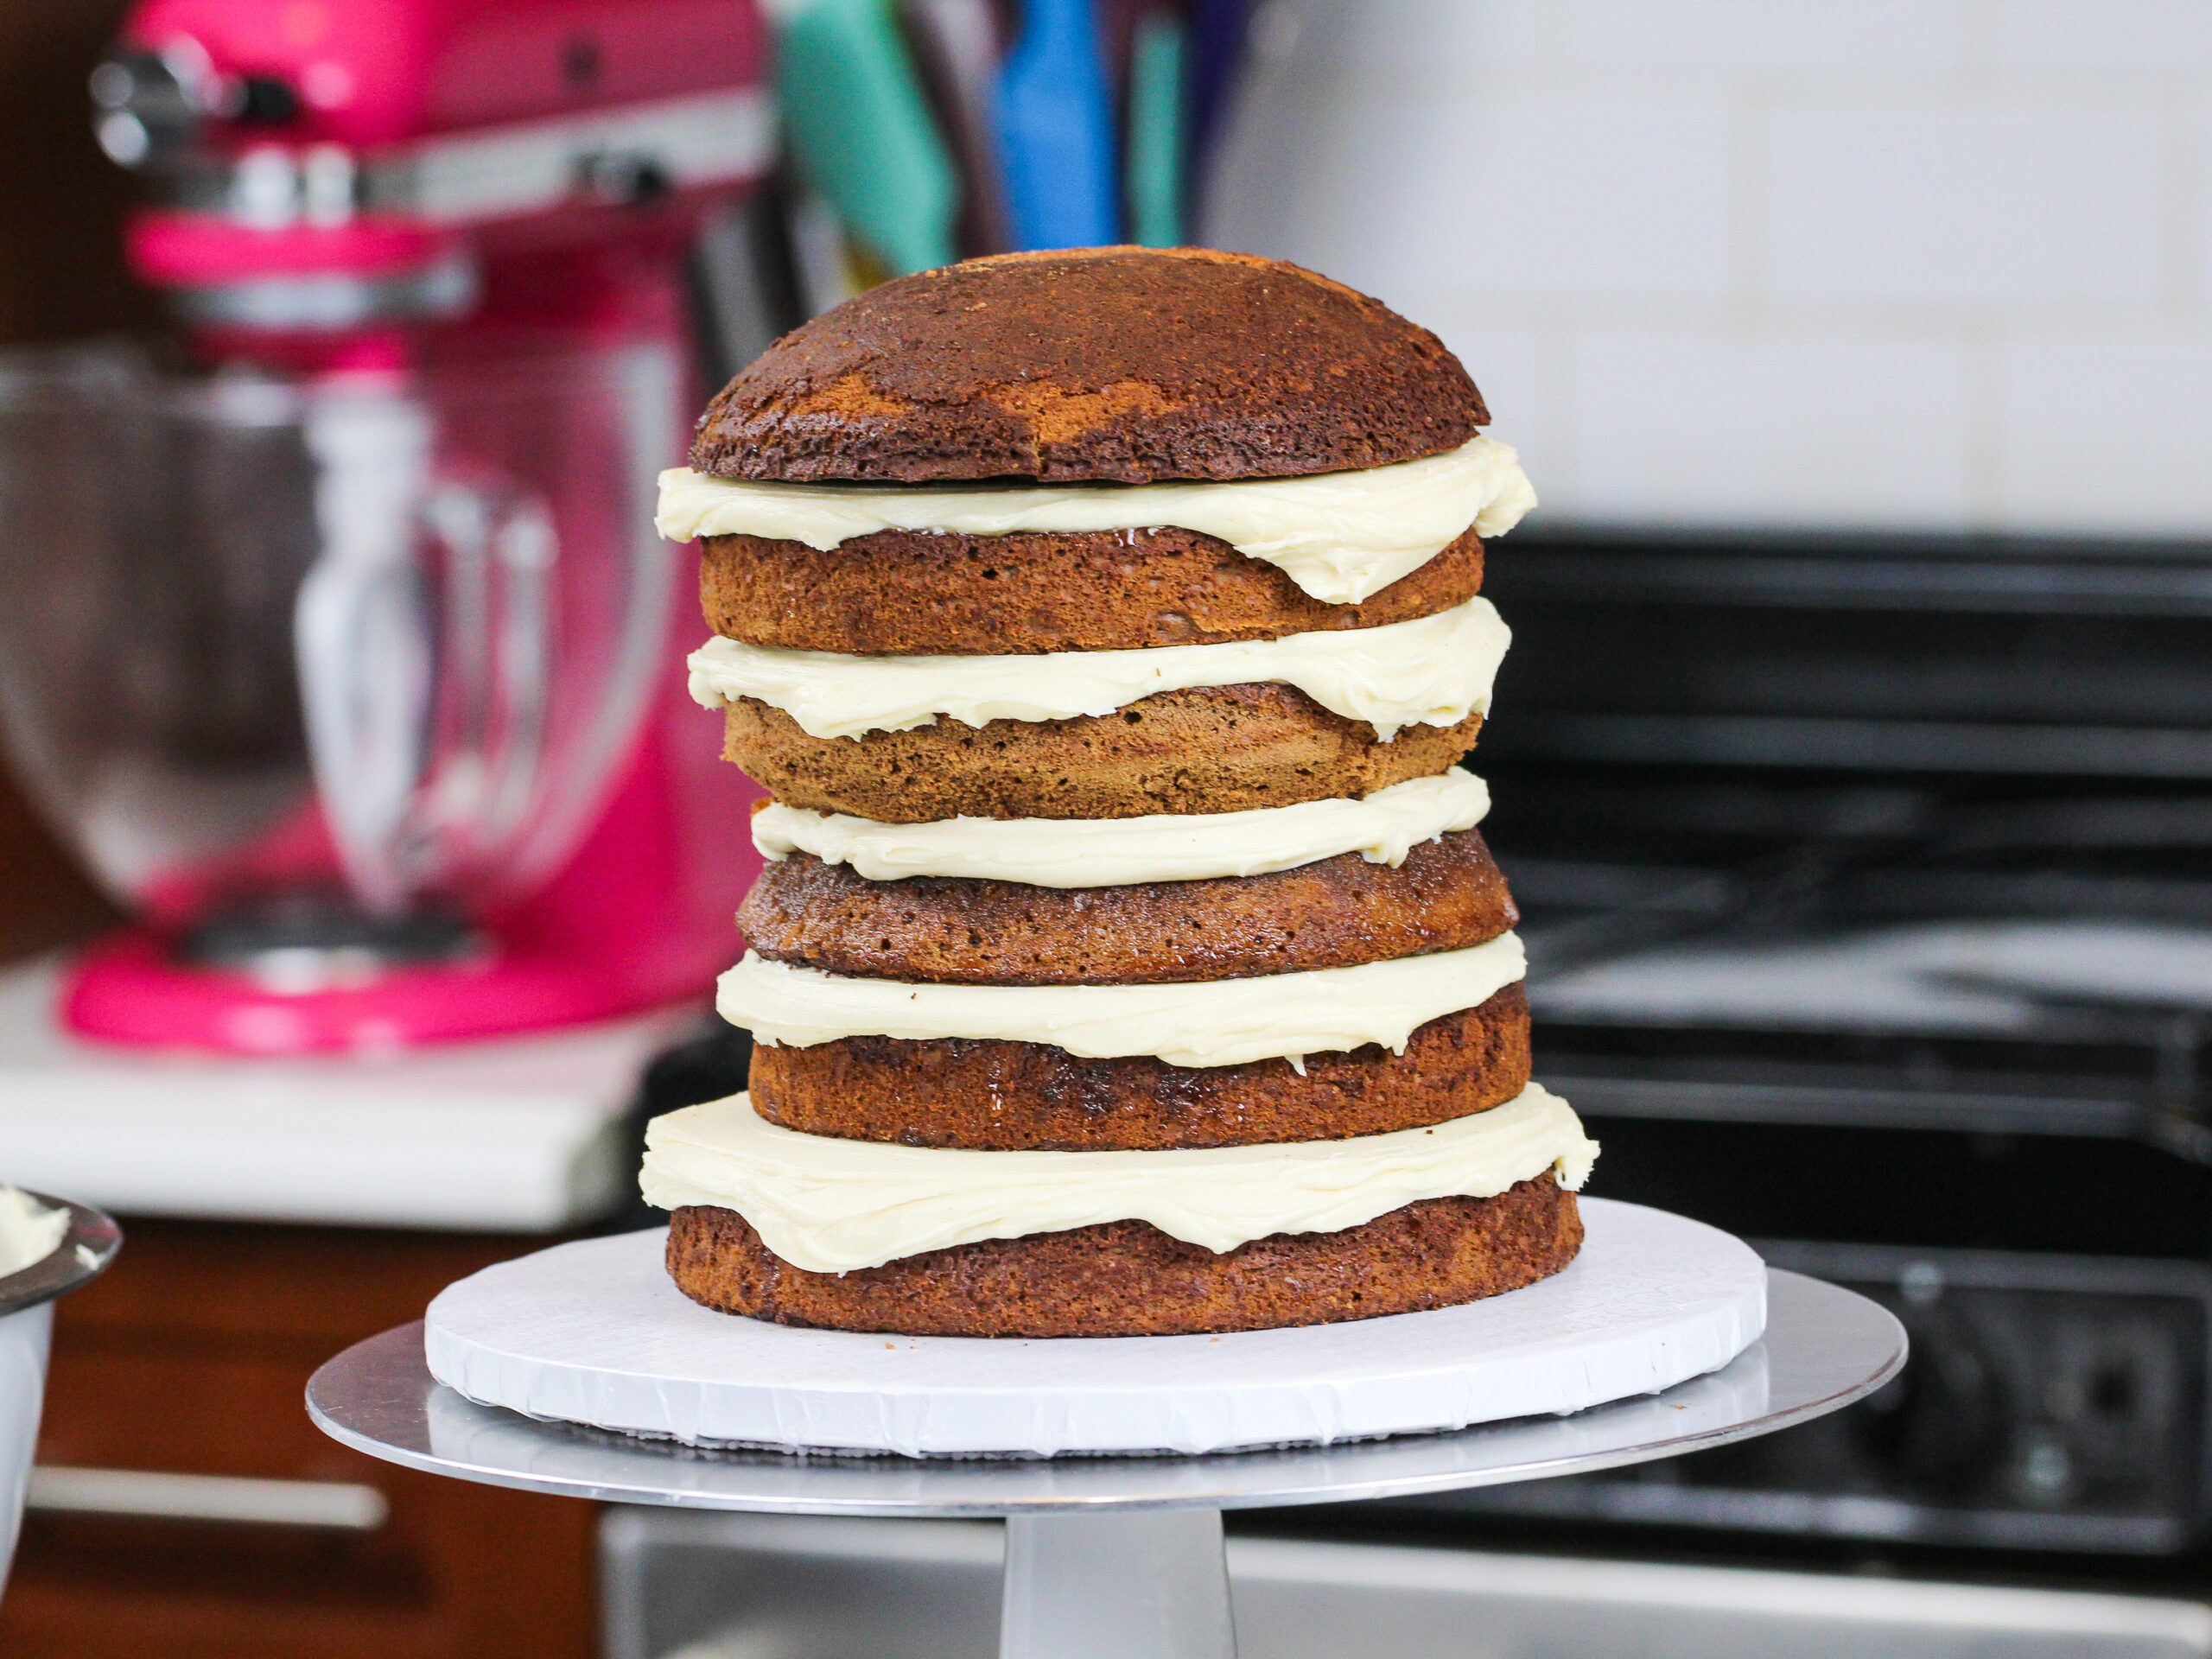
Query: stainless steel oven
{"x":684,"y":1586}
{"x":1867,"y":885}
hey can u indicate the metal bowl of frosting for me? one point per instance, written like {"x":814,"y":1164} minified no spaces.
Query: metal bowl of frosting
{"x":58,"y":1246}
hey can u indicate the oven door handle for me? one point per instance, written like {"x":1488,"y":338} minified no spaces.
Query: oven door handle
{"x":323,"y":1505}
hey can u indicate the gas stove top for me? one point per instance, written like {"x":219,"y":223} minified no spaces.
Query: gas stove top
{"x":1867,"y":887}
{"x":1943,"y":957}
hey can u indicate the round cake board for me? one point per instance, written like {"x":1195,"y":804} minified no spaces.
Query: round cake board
{"x":594,"y":1332}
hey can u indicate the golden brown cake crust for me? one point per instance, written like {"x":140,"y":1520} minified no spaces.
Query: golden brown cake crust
{"x":1128,"y":1279}
{"x":915,"y":593}
{"x":1223,"y":750}
{"x":1338,"y":912}
{"x":1002,"y":1097}
{"x":1126,"y":364}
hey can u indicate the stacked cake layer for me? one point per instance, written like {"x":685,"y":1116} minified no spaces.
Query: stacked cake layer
{"x":1128,"y":961}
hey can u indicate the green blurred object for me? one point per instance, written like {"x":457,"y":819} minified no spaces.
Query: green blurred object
{"x":862,"y":131}
{"x":1153,"y":171}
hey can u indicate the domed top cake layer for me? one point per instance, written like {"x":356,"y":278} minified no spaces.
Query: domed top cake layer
{"x":1121,"y":365}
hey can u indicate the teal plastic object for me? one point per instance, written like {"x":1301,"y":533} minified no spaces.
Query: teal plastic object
{"x":1056,"y":130}
{"x":1157,"y":144}
{"x":862,"y":131}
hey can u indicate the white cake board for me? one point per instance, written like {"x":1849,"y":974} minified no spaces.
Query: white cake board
{"x":594,"y":1332}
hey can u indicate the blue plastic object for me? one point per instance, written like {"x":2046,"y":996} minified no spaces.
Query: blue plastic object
{"x":1056,"y":130}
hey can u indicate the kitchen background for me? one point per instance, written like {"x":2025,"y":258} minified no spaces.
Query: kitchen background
{"x":1967,"y":246}
{"x":1855,"y":774}
{"x":62,"y":277}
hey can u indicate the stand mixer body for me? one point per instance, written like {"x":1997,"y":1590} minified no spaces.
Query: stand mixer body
{"x":397,"y":749}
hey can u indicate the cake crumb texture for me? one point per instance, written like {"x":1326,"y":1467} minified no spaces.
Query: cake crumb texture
{"x":1128,"y":1279}
{"x":1229,"y":748}
{"x":914,"y":593}
{"x":1128,"y":365}
{"x":1336,"y":912}
{"x":987,"y":1095}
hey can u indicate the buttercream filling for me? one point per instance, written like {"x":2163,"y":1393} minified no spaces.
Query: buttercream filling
{"x":1193,"y":1023}
{"x":1383,"y":829}
{"x":1340,"y":537}
{"x":830,"y":1206}
{"x":29,"y":1232}
{"x":1434,"y":670}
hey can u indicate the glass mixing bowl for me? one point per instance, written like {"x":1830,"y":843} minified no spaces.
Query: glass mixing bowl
{"x":342,"y":662}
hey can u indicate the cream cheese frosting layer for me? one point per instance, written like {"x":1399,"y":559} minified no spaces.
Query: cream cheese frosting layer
{"x":1340,"y":537}
{"x":1195,"y":1023}
{"x":1434,"y":670}
{"x":1383,"y":828}
{"x":830,"y":1206}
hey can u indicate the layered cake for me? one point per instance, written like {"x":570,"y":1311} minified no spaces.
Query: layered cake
{"x":1105,"y":627}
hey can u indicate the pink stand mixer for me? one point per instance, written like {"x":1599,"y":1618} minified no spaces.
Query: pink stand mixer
{"x":352,"y":664}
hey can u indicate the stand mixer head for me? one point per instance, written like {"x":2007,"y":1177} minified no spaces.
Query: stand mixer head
{"x":353,"y":666}
{"x":325,"y":168}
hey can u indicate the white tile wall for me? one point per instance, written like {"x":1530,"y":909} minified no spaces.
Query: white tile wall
{"x":2133,"y":37}
{"x":1967,"y":207}
{"x":1726,"y":36}
{"x":1930,"y":264}
{"x":1638,"y":197}
{"x":1874,"y":435}
{"x":2088,"y":421}
{"x":2192,"y":189}
{"x":1418,"y":33}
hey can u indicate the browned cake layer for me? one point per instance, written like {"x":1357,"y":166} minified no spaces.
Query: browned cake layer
{"x":989,"y":1096}
{"x":915,"y":593}
{"x":1336,"y":914}
{"x":1127,"y":364}
{"x":1224,"y":749}
{"x":1128,"y":1279}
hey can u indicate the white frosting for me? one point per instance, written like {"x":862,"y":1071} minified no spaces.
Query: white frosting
{"x":29,"y":1232}
{"x":1435,"y":670}
{"x":1339,"y":535}
{"x":1113,"y":852}
{"x":830,"y":1206}
{"x":1204,"y":1022}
